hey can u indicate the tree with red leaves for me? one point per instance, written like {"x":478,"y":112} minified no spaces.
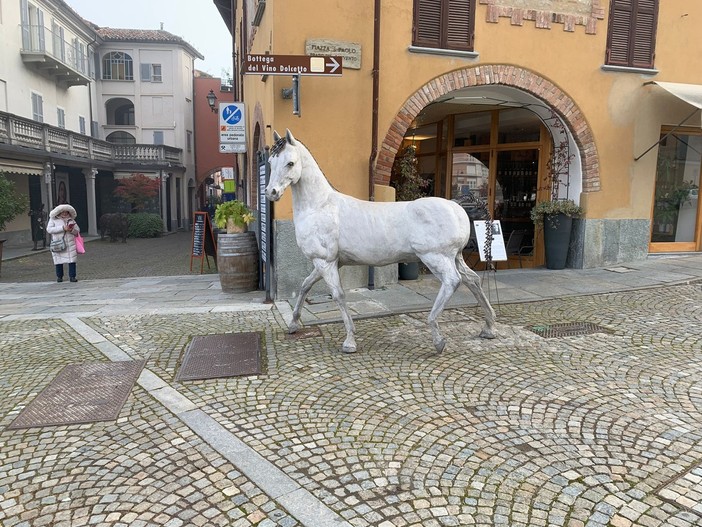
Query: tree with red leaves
{"x":138,"y":190}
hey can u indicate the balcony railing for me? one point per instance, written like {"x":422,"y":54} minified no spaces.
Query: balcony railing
{"x":18,"y":131}
{"x":67,"y":62}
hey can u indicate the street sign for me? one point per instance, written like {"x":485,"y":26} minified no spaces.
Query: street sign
{"x":232,"y":148}
{"x":232,"y":127}
{"x":292,"y":65}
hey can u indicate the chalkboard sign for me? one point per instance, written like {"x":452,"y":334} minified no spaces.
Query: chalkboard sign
{"x":204,"y":243}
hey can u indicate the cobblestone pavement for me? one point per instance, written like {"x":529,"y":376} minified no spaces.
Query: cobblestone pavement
{"x":603,"y":429}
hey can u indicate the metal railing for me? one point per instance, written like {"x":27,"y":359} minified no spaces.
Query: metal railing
{"x":40,"y":39}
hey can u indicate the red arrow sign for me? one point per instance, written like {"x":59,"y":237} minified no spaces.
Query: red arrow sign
{"x":292,"y":65}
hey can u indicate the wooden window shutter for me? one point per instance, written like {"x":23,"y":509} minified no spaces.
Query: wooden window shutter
{"x":459,"y":24}
{"x":445,"y":24}
{"x":644,"y":44}
{"x":427,"y":23}
{"x":632,"y":33}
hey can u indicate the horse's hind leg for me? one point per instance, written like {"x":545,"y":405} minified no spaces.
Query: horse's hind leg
{"x":444,"y":269}
{"x":330,"y":273}
{"x":472,"y":281}
{"x":307,"y":284}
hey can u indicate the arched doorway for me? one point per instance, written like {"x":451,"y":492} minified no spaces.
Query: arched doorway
{"x":477,"y":134}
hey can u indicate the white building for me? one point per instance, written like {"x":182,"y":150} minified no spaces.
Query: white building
{"x":82,"y":106}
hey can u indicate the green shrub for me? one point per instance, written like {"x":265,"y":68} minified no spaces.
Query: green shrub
{"x":145,"y":225}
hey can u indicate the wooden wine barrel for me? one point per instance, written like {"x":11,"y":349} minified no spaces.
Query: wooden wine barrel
{"x":237,"y":262}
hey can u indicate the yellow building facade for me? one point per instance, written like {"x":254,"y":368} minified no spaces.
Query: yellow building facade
{"x":488,"y":91}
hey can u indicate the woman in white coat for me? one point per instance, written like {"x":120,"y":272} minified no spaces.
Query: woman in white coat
{"x":62,"y":225}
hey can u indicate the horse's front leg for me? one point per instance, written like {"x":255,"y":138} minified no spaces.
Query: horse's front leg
{"x":330,"y":273}
{"x":307,"y":284}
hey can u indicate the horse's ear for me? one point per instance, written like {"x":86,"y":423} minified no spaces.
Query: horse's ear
{"x":276,"y":136}
{"x":289,"y":137}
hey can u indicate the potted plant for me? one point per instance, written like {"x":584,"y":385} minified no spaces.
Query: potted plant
{"x":234,"y":216}
{"x":11,"y":205}
{"x":409,"y":185}
{"x":555,"y":216}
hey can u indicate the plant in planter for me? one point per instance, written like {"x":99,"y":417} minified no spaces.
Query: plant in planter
{"x":233,"y":215}
{"x":556,"y":215}
{"x":409,"y":185}
{"x":12,"y":204}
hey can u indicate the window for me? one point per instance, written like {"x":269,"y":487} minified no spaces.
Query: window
{"x":117,"y":66}
{"x":121,"y":138}
{"x":447,"y":24}
{"x":81,"y":124}
{"x":124,"y":115}
{"x":158,"y":137}
{"x":60,"y":117}
{"x":37,"y":107}
{"x":631,"y":37}
{"x":80,"y":56}
{"x":151,"y":73}
{"x":189,"y":141}
{"x":59,"y":41}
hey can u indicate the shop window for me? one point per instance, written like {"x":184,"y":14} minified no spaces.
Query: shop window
{"x":446,"y":24}
{"x":631,"y":36}
{"x":472,"y":129}
{"x":519,"y":126}
{"x":676,"y":198}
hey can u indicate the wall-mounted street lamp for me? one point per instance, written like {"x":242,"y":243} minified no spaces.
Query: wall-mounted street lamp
{"x":212,"y":101}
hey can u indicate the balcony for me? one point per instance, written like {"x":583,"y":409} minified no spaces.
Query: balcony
{"x":42,"y":139}
{"x":67,"y":63}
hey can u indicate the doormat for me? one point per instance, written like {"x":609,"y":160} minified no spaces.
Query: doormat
{"x":567,"y":329}
{"x":226,"y":355}
{"x":82,"y":393}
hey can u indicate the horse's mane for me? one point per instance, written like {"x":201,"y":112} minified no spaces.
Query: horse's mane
{"x":281,"y":143}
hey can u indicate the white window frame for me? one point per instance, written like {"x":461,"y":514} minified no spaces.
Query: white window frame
{"x":151,"y":72}
{"x":37,"y":102}
{"x":81,"y":124}
{"x":60,"y":117}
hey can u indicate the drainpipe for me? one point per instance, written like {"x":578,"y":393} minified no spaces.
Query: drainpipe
{"x":374,"y":119}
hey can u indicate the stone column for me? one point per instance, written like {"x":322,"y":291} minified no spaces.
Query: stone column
{"x":92,"y":208}
{"x":164,"y":207}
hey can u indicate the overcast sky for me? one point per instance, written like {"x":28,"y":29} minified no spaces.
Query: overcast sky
{"x":196,"y":21}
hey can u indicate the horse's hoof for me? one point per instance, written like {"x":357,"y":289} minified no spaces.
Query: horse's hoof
{"x":440,"y":346}
{"x":487,"y":334}
{"x":348,"y":349}
{"x":292,"y":328}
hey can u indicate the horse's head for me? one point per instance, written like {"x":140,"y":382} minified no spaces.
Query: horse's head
{"x":285,"y":165}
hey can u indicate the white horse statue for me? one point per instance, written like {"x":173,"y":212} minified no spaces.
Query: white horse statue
{"x":333,"y":229}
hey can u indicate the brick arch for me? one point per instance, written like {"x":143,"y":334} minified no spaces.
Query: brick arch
{"x":493,"y":75}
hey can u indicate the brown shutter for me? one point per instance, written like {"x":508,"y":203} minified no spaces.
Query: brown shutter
{"x":632,"y":33}
{"x":427,"y":23}
{"x":644,"y":45}
{"x":459,"y":25}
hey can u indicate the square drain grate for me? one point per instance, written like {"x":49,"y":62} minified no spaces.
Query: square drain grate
{"x":567,"y":329}
{"x":227,"y":355}
{"x":82,"y":393}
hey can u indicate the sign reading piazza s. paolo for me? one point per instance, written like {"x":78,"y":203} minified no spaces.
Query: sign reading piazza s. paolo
{"x":292,"y":65}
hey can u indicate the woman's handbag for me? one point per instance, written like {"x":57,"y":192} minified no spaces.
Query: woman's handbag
{"x":59,"y":245}
{"x":80,"y":246}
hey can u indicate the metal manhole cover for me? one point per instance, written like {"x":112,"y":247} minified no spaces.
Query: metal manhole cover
{"x":82,"y":393}
{"x":304,"y":333}
{"x":215,"y":356}
{"x":567,"y":329}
